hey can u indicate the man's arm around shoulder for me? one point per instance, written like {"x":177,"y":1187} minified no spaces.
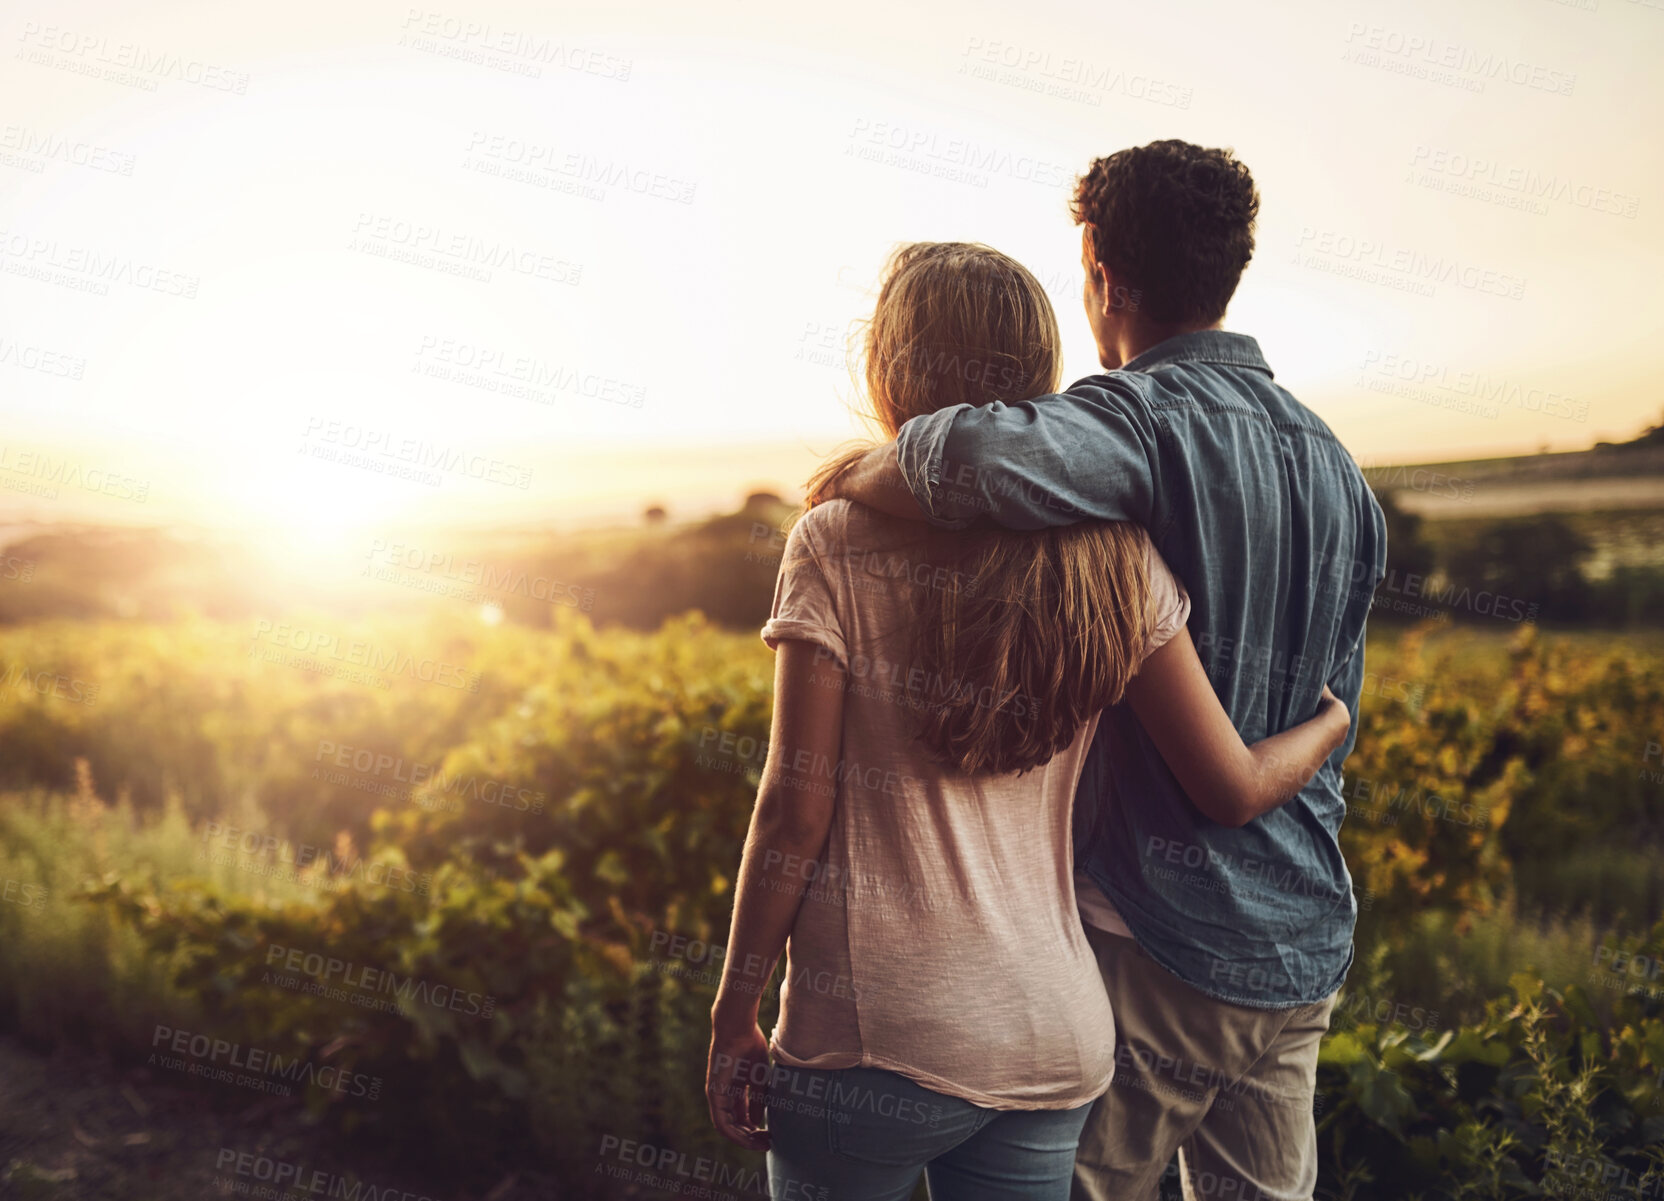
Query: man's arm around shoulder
{"x":875,"y":480}
{"x":1055,"y":460}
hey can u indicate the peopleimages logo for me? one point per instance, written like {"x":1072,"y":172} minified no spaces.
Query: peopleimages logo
{"x":232,"y":1063}
{"x":1442,"y":61}
{"x":901,"y":683}
{"x":96,"y":48}
{"x":522,"y":377}
{"x":1485,"y":173}
{"x":1069,"y":78}
{"x":341,"y":979}
{"x":570,"y":171}
{"x":1444,"y":597}
{"x":95,"y":268}
{"x":1385,"y":803}
{"x":374,"y":445}
{"x":221,"y":842}
{"x":1388,"y":477}
{"x":1386,"y":1011}
{"x":38,"y":465}
{"x":27,"y":896}
{"x":479,"y":41}
{"x":962,"y":159}
{"x":1400,"y":266}
{"x":283,"y":1177}
{"x":1653,"y":751}
{"x":44,"y":359}
{"x":328,"y":648}
{"x":1496,"y":392}
{"x":667,"y":1170}
{"x":678,"y":949}
{"x":457,"y":252}
{"x":432,"y":781}
{"x":42,"y":146}
{"x":24,"y":678}
{"x":1209,"y":863}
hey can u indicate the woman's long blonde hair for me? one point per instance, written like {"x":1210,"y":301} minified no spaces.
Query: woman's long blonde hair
{"x":1029,"y":634}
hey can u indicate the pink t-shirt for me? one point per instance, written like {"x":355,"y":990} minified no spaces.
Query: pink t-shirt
{"x":939,"y":937}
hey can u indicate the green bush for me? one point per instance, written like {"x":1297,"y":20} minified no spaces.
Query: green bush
{"x":592,"y":797}
{"x":1535,"y":1099}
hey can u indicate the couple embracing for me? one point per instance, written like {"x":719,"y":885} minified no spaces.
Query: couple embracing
{"x":1048,"y":829}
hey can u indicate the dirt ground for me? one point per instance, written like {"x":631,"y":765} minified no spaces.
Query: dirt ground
{"x":74,"y":1129}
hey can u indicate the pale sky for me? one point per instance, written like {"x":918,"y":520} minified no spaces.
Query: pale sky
{"x":676,"y":210}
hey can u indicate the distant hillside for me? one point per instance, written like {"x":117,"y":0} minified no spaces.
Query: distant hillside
{"x":1610,"y":497}
{"x":1581,"y":533}
{"x":1608,"y":477}
{"x":634,"y":576}
{"x":1640,"y":457}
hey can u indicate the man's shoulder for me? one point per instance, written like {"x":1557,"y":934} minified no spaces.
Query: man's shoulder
{"x":1129,"y":395}
{"x":1165,"y":387}
{"x":1109,"y":387}
{"x":1305,"y":415}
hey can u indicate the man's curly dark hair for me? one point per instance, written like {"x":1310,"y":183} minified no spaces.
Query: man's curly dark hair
{"x":1174,"y":222}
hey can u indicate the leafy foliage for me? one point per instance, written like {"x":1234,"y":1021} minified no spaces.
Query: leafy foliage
{"x":585,"y":807}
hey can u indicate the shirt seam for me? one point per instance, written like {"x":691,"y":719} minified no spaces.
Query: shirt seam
{"x":1235,"y":350}
{"x":1214,"y":409}
{"x":811,"y":539}
{"x":1160,"y":409}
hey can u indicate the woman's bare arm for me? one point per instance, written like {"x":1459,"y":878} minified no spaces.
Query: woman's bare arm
{"x":1229,"y":781}
{"x":788,"y":835}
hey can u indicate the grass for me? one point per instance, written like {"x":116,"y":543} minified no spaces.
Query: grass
{"x":1620,"y":887}
{"x":1475,"y":645}
{"x":72,"y":974}
{"x":1449,"y":965}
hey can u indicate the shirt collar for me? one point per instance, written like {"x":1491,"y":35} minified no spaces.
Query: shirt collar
{"x":1201,"y":346}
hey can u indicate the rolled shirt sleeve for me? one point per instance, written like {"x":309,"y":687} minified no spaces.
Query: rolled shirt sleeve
{"x":804,"y":606}
{"x":1169,"y":602}
{"x":1088,"y":453}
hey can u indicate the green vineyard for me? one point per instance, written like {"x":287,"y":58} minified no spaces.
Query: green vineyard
{"x":484,"y":885}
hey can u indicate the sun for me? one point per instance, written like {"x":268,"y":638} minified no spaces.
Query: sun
{"x":301,"y":510}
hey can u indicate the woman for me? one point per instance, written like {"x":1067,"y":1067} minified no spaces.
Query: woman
{"x":935,"y":694}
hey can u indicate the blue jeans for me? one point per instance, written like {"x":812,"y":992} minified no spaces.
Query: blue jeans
{"x":862,"y":1134}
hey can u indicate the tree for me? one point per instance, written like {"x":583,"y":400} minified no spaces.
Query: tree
{"x":1538,"y":560}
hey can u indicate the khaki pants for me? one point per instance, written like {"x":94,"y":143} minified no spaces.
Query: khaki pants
{"x":1230,"y":1088}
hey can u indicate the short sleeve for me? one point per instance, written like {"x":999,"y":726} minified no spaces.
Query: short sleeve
{"x":1168,"y":600}
{"x":803,"y":604}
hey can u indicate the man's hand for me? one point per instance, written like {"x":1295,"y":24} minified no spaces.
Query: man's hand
{"x":736,"y":1082}
{"x":875,"y":480}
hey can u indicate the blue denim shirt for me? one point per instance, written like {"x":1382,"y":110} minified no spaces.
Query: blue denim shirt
{"x":1267,"y":521}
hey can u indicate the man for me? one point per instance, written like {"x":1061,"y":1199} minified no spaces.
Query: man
{"x":1222,"y":947}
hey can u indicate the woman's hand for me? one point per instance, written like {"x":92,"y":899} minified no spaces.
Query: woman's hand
{"x":1334,"y":711}
{"x":1228,"y":782}
{"x":736,"y":1081}
{"x":790,"y":826}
